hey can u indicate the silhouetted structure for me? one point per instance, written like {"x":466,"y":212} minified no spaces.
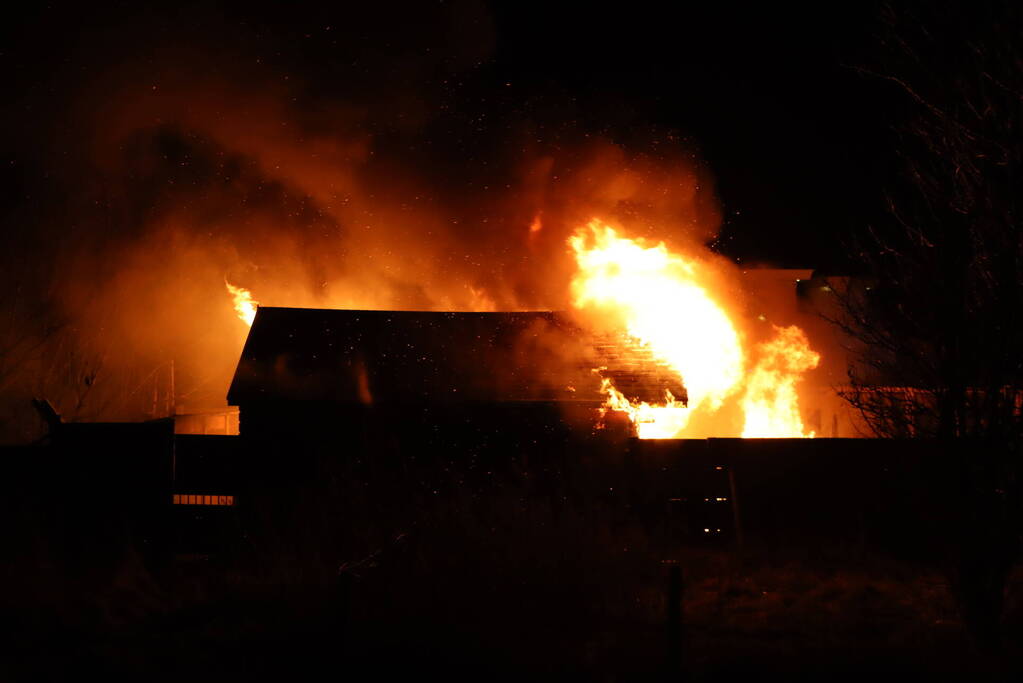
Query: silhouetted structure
{"x":491,"y":390}
{"x":451,"y":404}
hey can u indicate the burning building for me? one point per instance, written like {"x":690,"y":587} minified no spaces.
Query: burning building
{"x":670,"y":340}
{"x":449,"y":401}
{"x":342,"y":378}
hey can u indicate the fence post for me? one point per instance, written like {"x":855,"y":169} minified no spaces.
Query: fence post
{"x":736,"y":516}
{"x":674,"y":619}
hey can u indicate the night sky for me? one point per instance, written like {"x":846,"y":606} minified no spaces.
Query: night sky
{"x":798,"y":142}
{"x":795,"y":138}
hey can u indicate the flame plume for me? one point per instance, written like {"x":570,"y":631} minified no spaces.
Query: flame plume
{"x":664,"y":306}
{"x":652,"y":421}
{"x":244,"y":305}
{"x":771,"y":403}
{"x":666,"y":303}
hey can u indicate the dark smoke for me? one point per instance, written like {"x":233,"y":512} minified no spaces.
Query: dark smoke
{"x":360,"y":164}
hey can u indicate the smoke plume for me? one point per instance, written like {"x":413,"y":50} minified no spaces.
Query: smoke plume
{"x":364,"y":166}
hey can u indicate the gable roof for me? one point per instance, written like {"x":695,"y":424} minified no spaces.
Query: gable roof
{"x":301,"y":354}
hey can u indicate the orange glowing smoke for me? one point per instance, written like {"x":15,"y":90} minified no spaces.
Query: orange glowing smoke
{"x":770,"y":403}
{"x":244,"y":305}
{"x":665,"y":303}
{"x":664,"y":306}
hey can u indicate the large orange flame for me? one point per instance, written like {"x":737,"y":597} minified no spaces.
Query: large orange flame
{"x":666,"y":304}
{"x":652,"y":421}
{"x":770,"y":402}
{"x":665,"y":307}
{"x":244,"y":305}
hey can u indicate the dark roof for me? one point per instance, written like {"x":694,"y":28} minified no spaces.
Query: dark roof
{"x":411,"y":356}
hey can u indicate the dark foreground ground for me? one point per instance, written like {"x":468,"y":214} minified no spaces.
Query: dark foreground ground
{"x":405,"y":571}
{"x":508,"y":602}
